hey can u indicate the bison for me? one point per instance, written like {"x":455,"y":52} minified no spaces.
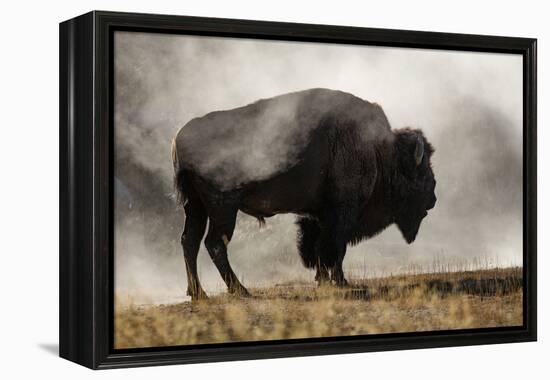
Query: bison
{"x":327,"y":156}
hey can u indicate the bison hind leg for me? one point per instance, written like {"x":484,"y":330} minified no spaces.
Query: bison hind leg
{"x":221,"y":226}
{"x":195,"y":225}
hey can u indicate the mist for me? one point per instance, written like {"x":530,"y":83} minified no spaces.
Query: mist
{"x":469,"y":106}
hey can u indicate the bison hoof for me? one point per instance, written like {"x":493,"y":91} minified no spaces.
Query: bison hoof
{"x":343,"y":283}
{"x":323,"y":282}
{"x":322,"y":279}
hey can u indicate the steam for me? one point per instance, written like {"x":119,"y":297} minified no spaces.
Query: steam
{"x":469,"y":106}
{"x":231,"y":152}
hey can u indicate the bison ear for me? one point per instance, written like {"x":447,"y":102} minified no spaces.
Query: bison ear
{"x":419,"y":150}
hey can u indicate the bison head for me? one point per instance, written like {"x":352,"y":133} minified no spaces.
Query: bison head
{"x":414,"y":181}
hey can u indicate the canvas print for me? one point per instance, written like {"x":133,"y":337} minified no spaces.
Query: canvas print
{"x":268,"y":190}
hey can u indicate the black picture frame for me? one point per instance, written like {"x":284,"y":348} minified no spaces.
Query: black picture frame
{"x":86,"y":188}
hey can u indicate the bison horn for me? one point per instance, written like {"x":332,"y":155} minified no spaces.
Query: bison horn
{"x":419,"y":151}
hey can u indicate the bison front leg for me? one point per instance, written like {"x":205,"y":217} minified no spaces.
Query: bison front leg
{"x":332,"y":255}
{"x":322,"y":275}
{"x":332,"y":247}
{"x":337,"y":273}
{"x":308,"y":244}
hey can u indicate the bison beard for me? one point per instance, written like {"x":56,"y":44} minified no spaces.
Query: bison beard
{"x":328,"y":156}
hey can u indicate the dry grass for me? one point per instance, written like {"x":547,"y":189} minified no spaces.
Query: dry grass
{"x":422,"y":302}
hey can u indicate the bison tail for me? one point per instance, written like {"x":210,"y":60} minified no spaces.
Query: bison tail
{"x":180,"y":183}
{"x":308,"y":233}
{"x":179,"y":178}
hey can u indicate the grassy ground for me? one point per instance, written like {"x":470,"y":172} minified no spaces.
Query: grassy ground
{"x":421,"y":302}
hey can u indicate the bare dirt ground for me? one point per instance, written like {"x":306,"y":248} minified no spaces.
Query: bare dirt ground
{"x":407,"y":303}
